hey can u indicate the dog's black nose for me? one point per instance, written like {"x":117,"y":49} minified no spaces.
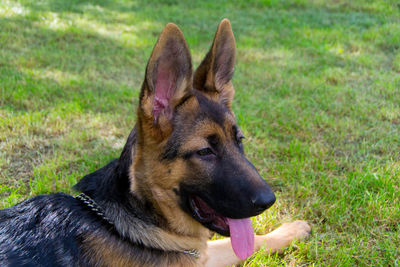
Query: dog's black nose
{"x":263,"y":200}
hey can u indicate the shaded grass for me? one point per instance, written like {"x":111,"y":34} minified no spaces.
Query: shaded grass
{"x":317,"y":97}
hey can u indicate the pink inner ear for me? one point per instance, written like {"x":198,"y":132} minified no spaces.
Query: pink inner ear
{"x":164,"y":88}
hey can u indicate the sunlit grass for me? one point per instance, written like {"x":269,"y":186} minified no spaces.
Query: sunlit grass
{"x":317,"y":97}
{"x":9,"y":9}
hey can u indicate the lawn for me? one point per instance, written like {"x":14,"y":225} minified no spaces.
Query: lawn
{"x":317,"y":96}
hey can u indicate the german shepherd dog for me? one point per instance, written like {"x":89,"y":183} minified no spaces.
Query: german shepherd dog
{"x":182,"y":173}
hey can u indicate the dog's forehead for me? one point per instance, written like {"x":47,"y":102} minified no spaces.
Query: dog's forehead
{"x":214,"y":111}
{"x":200,"y":115}
{"x":197,"y":119}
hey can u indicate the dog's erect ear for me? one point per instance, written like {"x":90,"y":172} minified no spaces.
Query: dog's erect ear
{"x":168,"y":76}
{"x":214,"y":75}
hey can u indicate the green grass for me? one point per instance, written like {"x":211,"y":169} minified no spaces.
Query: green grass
{"x":318,"y":98}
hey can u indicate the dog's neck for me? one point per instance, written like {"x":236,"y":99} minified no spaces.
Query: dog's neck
{"x":134,"y":218}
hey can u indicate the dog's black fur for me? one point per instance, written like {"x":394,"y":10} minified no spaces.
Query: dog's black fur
{"x":45,"y":230}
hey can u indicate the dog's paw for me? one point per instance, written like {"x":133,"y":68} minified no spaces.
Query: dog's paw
{"x":284,"y":235}
{"x":280,"y":238}
{"x":294,"y":230}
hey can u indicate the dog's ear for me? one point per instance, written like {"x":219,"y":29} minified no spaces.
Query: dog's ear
{"x":214,"y":75}
{"x":168,"y":77}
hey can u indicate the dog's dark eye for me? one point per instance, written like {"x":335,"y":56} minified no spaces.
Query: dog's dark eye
{"x":205,"y":152}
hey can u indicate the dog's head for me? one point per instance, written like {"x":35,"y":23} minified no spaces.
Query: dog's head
{"x":189,"y":159}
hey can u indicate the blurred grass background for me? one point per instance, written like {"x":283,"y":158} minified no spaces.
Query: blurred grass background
{"x":317,"y":96}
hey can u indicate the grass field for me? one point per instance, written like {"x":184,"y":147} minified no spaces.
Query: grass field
{"x":317,"y":96}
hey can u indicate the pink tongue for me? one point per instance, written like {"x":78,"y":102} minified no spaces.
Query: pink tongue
{"x":242,"y":237}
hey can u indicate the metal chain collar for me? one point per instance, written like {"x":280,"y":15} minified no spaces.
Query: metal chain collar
{"x":93,"y":206}
{"x":97,"y":209}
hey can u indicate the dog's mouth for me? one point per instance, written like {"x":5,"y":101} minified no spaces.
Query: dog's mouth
{"x":240,"y":230}
{"x":206,"y":215}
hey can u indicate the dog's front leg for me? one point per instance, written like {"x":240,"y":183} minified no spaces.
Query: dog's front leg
{"x":220,"y":252}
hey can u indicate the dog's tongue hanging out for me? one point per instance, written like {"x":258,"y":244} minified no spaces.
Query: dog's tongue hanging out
{"x":242,"y":237}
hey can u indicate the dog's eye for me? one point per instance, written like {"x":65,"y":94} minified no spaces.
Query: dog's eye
{"x":205,"y":152}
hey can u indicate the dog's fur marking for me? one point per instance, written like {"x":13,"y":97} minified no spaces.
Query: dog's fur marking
{"x":111,"y":251}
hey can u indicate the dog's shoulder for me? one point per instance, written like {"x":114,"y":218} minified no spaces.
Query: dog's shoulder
{"x":44,"y":228}
{"x":41,"y":211}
